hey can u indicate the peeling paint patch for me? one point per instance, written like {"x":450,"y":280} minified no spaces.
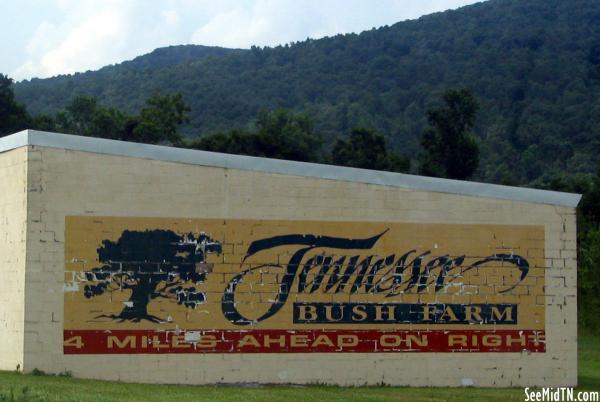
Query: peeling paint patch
{"x":71,"y":287}
{"x":192,"y":336}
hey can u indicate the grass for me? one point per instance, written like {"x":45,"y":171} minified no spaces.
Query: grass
{"x":19,"y":387}
{"x":589,"y":362}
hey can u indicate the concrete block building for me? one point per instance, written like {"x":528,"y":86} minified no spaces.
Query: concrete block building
{"x":133,"y":262}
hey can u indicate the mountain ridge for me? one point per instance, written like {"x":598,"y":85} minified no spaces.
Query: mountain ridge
{"x":534,"y":66}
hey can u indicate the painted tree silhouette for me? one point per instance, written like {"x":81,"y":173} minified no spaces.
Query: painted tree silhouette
{"x":152,"y":264}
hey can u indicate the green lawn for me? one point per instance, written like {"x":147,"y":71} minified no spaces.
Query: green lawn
{"x":19,"y":387}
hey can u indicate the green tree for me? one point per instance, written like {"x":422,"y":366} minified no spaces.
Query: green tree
{"x":13,"y":116}
{"x":79,"y":114}
{"x":588,"y":280}
{"x":234,"y":142}
{"x":43,"y":122}
{"x":85,"y":116}
{"x":450,"y":149}
{"x":588,"y":250}
{"x":279,"y":134}
{"x":588,"y":241}
{"x":159,"y":120}
{"x":285,"y":135}
{"x":366,"y":149}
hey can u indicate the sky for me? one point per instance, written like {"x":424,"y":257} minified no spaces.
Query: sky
{"x":43,"y":38}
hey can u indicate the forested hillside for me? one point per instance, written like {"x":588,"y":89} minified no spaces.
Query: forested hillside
{"x":534,"y":66}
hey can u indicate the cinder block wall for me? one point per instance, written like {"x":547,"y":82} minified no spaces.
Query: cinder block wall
{"x":13,"y":217}
{"x":73,"y":183}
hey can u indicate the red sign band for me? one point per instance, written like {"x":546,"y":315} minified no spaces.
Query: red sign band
{"x":300,"y":341}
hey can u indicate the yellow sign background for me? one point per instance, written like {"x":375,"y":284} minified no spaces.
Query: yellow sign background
{"x":84,"y":235}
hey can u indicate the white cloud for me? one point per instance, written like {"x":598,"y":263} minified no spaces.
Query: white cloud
{"x":171,"y":17}
{"x":44,"y":34}
{"x":87,"y":38}
{"x":273,"y":22}
{"x":265,"y":23}
{"x":86,"y":44}
{"x":248,"y":30}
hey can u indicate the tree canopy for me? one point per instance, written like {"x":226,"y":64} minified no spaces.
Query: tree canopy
{"x":159,"y":122}
{"x":278,"y":134}
{"x":533,"y":65}
{"x":364,"y":148}
{"x":450,"y":150}
{"x":13,"y":116}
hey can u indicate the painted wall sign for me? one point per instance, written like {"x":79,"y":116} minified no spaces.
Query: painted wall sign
{"x":154,"y":285}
